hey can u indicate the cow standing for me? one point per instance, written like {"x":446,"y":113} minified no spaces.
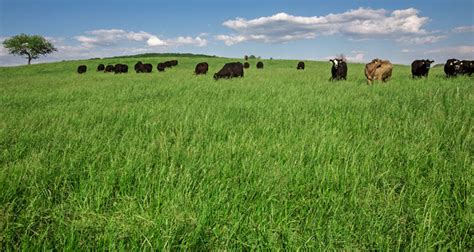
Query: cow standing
{"x":100,"y":68}
{"x":201,"y":68}
{"x":230,"y":70}
{"x":378,"y":69}
{"x":452,"y":67}
{"x":161,"y":67}
{"x":300,"y":66}
{"x":109,"y":69}
{"x":138,"y":67}
{"x":260,"y":65}
{"x":338,"y":70}
{"x":121,"y":68}
{"x":246,"y":65}
{"x":81,"y":69}
{"x":420,"y":68}
{"x":466,"y":67}
{"x":145,"y":68}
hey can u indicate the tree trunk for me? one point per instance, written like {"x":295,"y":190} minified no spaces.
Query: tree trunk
{"x":29,"y":60}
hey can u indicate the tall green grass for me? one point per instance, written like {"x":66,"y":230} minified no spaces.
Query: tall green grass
{"x":280,"y":159}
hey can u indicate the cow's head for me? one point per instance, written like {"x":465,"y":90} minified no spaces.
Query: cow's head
{"x":336,"y":62}
{"x":428,"y":63}
{"x":216,"y":76}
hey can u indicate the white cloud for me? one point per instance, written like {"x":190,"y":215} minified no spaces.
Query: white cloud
{"x":355,"y":56}
{"x":105,"y":43}
{"x":3,"y":51}
{"x":155,"y":41}
{"x":457,"y":50}
{"x":359,"y":24}
{"x":420,"y":40}
{"x":197,"y":41}
{"x":114,"y":37}
{"x":462,"y":29}
{"x":358,"y":57}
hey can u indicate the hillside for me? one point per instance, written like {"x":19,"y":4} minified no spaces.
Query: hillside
{"x":279,"y":159}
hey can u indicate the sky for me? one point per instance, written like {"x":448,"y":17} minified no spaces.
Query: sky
{"x":361,"y":30}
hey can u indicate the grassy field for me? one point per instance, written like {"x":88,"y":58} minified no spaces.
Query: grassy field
{"x":280,"y":159}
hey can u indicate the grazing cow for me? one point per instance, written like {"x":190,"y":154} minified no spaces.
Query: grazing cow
{"x":109,"y":69}
{"x":300,"y":65}
{"x":167,"y":64}
{"x":378,"y":69}
{"x":259,"y":65}
{"x":81,"y":69}
{"x":138,"y":67}
{"x":161,"y":67}
{"x":420,"y":68}
{"x":121,"y":68}
{"x":201,"y":68}
{"x":339,"y":69}
{"x":145,"y":68}
{"x":246,"y":65}
{"x":230,"y":70}
{"x":466,"y":67}
{"x":171,"y":63}
{"x":100,"y":67}
{"x":452,"y":67}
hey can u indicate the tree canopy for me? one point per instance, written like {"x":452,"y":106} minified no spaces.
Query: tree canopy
{"x":29,"y":46}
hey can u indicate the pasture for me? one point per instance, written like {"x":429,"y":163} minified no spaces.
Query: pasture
{"x":280,"y":159}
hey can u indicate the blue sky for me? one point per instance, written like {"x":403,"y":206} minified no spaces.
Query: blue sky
{"x":293,"y":29}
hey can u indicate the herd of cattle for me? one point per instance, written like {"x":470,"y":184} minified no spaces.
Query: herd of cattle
{"x":377,"y":69}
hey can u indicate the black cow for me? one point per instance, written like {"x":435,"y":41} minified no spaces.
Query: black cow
{"x":230,"y":70}
{"x":138,"y":67}
{"x":246,"y":65}
{"x":81,"y":69}
{"x":466,"y":67}
{"x":161,"y":67}
{"x":421,"y":68}
{"x":100,"y":67}
{"x":109,"y":69}
{"x":339,"y":69}
{"x":145,"y":68}
{"x":174,"y":62}
{"x":452,"y":67}
{"x":300,"y":65}
{"x":201,"y":68}
{"x":260,"y":65}
{"x":121,"y":68}
{"x":170,"y":63}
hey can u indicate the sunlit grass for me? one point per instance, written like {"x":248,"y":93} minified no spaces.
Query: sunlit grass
{"x":280,"y":159}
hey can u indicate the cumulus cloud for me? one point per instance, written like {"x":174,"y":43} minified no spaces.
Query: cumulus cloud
{"x":359,"y":24}
{"x":464,"y":29}
{"x":155,"y":41}
{"x":113,"y":37}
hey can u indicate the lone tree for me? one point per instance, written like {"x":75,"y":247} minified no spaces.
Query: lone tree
{"x":30,"y":46}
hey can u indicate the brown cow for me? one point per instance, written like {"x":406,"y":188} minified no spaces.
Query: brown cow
{"x":378,"y":69}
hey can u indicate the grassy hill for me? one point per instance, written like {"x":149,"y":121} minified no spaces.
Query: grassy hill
{"x":280,"y":159}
